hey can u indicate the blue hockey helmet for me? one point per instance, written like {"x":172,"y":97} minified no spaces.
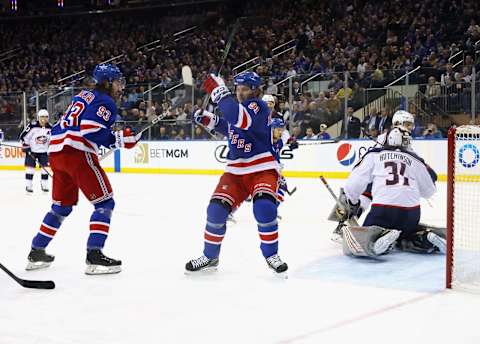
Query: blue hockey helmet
{"x":278,"y":123}
{"x":249,"y":79}
{"x":106,"y":72}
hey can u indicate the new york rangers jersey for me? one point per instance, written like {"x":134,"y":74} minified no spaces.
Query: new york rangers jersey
{"x":277,"y":146}
{"x":36,"y":137}
{"x":249,"y":136}
{"x":400,"y":178}
{"x":86,"y":125}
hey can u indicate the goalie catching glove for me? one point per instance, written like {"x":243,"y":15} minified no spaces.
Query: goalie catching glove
{"x":206,"y":119}
{"x":346,"y":209}
{"x":124,"y":139}
{"x":215,"y":86}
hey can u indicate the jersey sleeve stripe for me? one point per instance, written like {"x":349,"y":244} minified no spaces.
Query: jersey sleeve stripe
{"x":244,"y":119}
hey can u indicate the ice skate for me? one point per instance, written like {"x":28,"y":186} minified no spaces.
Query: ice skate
{"x":437,"y":241}
{"x":337,"y":234}
{"x":277,"y":265}
{"x":44,"y":187}
{"x":231,"y":219}
{"x":202,"y":264}
{"x":99,"y":264}
{"x":385,"y":241}
{"x":38,"y":259}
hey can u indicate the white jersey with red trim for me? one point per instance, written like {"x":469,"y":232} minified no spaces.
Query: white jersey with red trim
{"x":86,"y":125}
{"x":249,"y":136}
{"x":36,"y":137}
{"x":400,"y":178}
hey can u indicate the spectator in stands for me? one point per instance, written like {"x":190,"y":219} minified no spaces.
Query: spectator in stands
{"x":309,"y":134}
{"x":163,"y":134}
{"x":341,"y":92}
{"x":322,"y":134}
{"x":433,"y":89}
{"x":352,"y":125}
{"x":431,"y":132}
{"x":296,"y":132}
{"x":333,"y":104}
{"x":271,"y":88}
{"x":384,"y":122}
{"x":370,"y":122}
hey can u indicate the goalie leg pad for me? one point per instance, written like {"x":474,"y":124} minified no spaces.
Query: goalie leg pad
{"x":369,"y":241}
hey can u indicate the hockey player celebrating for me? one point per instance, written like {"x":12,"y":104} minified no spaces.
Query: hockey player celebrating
{"x":251,"y":170}
{"x":399,"y":178}
{"x":35,"y":139}
{"x":76,"y":138}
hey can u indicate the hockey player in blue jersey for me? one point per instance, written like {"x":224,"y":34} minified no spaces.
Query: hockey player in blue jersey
{"x":251,"y":170}
{"x":73,"y":152}
{"x":281,"y":138}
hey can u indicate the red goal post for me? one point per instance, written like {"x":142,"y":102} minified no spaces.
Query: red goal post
{"x":463,"y":209}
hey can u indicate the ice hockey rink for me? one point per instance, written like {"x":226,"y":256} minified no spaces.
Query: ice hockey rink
{"x":158,"y":225}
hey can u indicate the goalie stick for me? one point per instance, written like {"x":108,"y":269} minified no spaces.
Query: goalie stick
{"x":29,"y":283}
{"x":353,"y":221}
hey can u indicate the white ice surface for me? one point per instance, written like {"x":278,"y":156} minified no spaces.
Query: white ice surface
{"x":158,"y":225}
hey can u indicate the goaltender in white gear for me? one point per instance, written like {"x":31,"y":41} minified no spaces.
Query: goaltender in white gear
{"x":399,"y":179}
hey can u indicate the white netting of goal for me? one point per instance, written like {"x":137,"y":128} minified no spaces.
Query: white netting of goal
{"x":466,"y":217}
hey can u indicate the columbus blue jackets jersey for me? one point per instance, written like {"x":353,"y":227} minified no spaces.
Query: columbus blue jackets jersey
{"x":36,"y":137}
{"x":86,"y":125}
{"x":249,"y":136}
{"x":400,"y":178}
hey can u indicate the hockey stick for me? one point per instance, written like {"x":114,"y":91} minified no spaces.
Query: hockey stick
{"x":226,"y":50}
{"x":30,"y":154}
{"x":353,"y":221}
{"x":319,"y":142}
{"x":137,"y":136}
{"x":291,"y":192}
{"x":29,"y":283}
{"x":187,"y":80}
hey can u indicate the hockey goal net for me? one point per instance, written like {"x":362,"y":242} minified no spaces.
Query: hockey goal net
{"x":463,"y":205}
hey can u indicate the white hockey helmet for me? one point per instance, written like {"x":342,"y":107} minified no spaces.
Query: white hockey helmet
{"x":398,"y":137}
{"x":43,"y":113}
{"x":268,"y":98}
{"x":403,"y":119}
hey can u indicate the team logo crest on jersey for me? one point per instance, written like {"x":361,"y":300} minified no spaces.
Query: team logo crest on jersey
{"x":346,"y":154}
{"x":141,"y":154}
{"x":469,"y":155}
{"x":41,"y":140}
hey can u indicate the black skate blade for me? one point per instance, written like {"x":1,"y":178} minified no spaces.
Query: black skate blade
{"x":205,"y":271}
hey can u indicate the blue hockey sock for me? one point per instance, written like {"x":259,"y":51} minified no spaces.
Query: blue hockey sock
{"x":215,"y":229}
{"x":100,"y":224}
{"x":265,"y":212}
{"x":51,"y":223}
